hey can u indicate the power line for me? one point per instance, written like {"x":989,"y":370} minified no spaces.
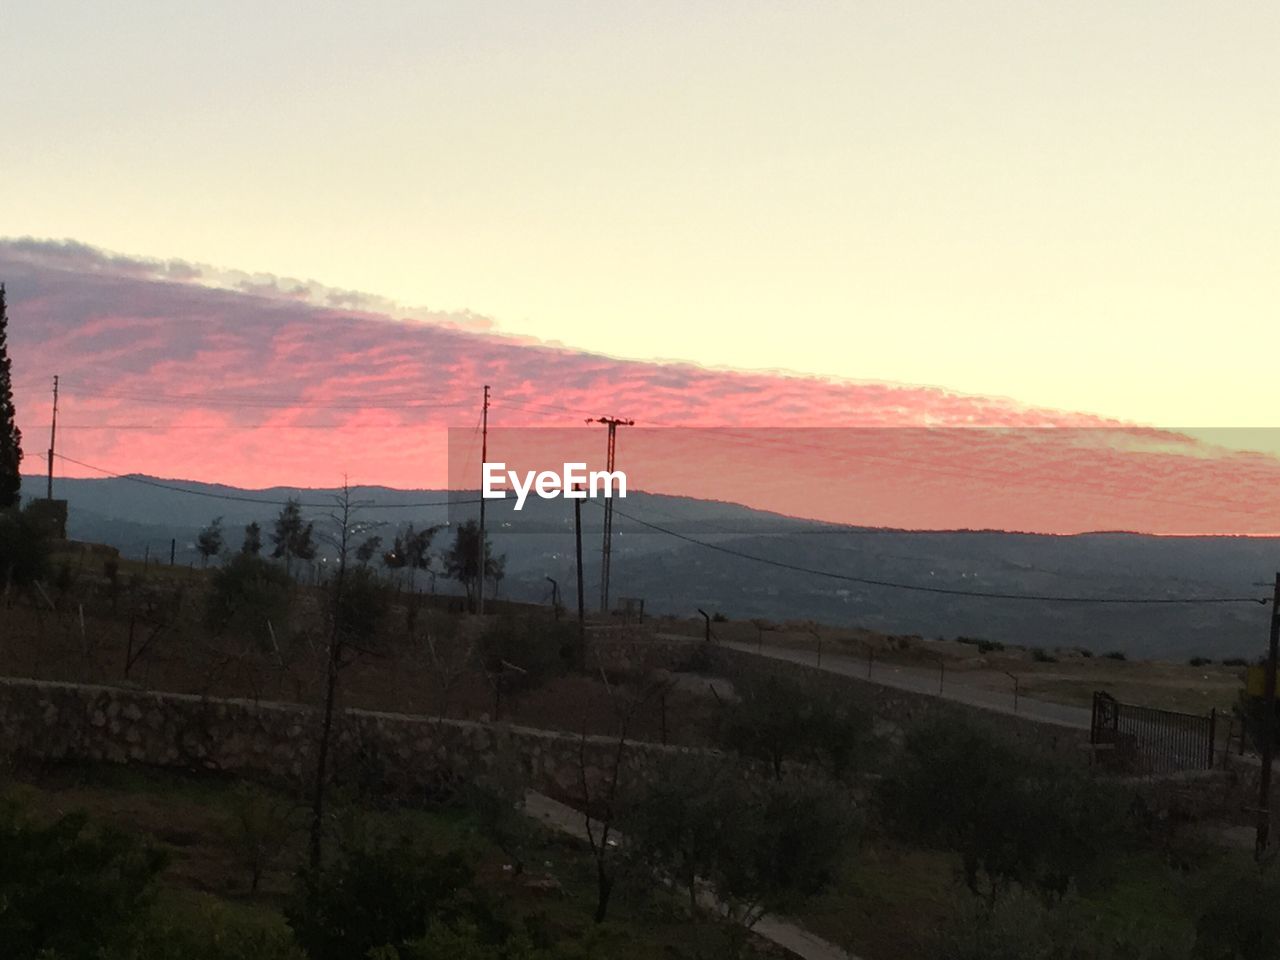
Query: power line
{"x":146,"y":481}
{"x":921,"y":588}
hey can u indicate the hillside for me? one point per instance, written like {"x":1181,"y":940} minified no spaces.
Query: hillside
{"x":676,"y":576}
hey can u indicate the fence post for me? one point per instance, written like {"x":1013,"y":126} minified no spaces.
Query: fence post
{"x":1213,"y":735}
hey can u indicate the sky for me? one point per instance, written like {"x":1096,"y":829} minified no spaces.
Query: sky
{"x":1069,"y":209}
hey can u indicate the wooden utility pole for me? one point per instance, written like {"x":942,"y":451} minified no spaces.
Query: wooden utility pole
{"x":484,"y":457}
{"x":53,"y":435}
{"x":1268,"y":728}
{"x":606,"y":545}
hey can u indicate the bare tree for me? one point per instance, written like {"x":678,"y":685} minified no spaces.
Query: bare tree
{"x":449,"y":667}
{"x":601,"y":801}
{"x":354,"y":611}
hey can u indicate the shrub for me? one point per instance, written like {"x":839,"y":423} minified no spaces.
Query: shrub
{"x":776,"y":720}
{"x":259,"y":827}
{"x":1199,"y":661}
{"x":1116,"y":655}
{"x":24,"y":552}
{"x":249,"y":596}
{"x":1019,"y":926}
{"x":360,"y":607}
{"x":1010,"y":815}
{"x":538,"y":648}
{"x":1237,"y":919}
{"x":68,"y":890}
{"x":1040,"y":655}
{"x":1235,"y":662}
{"x":377,"y":895}
{"x":764,"y":845}
{"x":496,"y":800}
{"x":209,"y":930}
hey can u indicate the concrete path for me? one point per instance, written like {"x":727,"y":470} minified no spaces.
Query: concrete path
{"x":564,"y":819}
{"x":925,"y":680}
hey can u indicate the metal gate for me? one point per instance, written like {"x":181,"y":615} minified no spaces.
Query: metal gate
{"x":1150,"y":741}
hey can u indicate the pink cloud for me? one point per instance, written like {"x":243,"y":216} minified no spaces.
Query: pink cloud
{"x":174,"y":370}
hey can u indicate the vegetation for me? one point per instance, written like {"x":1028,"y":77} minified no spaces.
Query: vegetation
{"x":758,"y":845}
{"x":1010,"y":816}
{"x":209,"y":541}
{"x":68,"y":890}
{"x":250,"y":597}
{"x":291,"y":538}
{"x":24,"y":553}
{"x":10,"y":435}
{"x":252,"y":540}
{"x":462,"y":560}
{"x":777,"y":721}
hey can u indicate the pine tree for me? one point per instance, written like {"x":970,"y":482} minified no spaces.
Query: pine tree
{"x":10,"y":435}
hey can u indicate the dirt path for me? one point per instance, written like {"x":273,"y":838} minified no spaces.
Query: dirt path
{"x":789,"y":936}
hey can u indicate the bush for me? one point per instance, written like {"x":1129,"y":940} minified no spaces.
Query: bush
{"x":538,"y":648}
{"x":1019,"y":926}
{"x":1010,"y":815}
{"x":1237,"y":919}
{"x":776,"y":721}
{"x":764,"y":845}
{"x":68,"y":890}
{"x":496,"y":800}
{"x":210,"y":930}
{"x":1199,"y":661}
{"x":1116,"y":655}
{"x":1235,"y":662}
{"x":360,"y":607}
{"x":24,"y":551}
{"x":259,"y":827}
{"x":1040,"y":655}
{"x":376,"y":896}
{"x":249,"y":596}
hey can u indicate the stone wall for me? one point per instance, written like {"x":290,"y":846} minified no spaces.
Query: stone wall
{"x":276,"y":741}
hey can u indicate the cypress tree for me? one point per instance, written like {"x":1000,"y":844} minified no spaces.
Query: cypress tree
{"x":10,"y":435}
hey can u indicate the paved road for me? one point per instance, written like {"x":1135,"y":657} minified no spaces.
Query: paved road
{"x":797,"y":940}
{"x":925,"y":680}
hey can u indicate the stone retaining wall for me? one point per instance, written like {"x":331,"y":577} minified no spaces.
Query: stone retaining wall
{"x":276,"y":741}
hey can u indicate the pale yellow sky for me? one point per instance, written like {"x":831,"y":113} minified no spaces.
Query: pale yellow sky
{"x":1074,"y":205}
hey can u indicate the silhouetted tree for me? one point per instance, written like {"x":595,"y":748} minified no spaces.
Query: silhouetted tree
{"x":252,"y":540}
{"x":462,"y":560}
{"x":357,"y":605}
{"x":10,"y":435}
{"x":366,"y":551}
{"x":412,"y":549}
{"x":209,"y":540}
{"x":291,"y":537}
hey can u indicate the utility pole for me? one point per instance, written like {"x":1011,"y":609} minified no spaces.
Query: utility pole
{"x":484,"y":457}
{"x":612,"y":423}
{"x":53,"y":435}
{"x":582,"y":603}
{"x":555,"y":597}
{"x":1268,"y":728}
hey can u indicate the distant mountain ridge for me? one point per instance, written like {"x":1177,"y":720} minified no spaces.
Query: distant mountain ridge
{"x":677,"y":576}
